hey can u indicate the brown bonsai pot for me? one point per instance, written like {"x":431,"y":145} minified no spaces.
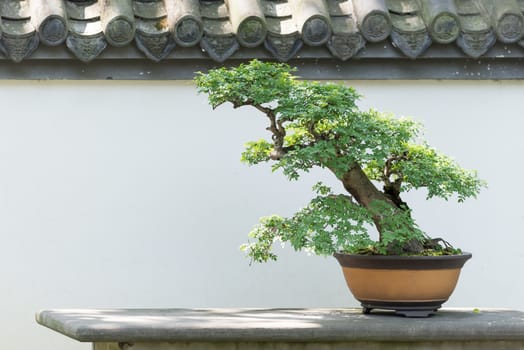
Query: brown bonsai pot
{"x":413,"y":286}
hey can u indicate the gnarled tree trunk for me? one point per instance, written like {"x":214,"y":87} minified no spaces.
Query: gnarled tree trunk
{"x":365,"y":193}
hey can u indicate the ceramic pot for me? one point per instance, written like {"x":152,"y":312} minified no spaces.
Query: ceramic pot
{"x":413,"y":286}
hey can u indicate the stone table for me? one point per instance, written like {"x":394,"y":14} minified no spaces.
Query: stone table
{"x":286,"y":329}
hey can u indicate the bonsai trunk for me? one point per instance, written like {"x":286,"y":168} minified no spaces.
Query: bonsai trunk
{"x":364,"y":192}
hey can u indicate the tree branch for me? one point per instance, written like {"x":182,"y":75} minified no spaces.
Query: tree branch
{"x":311,"y":129}
{"x":276,"y":127}
{"x":392,"y":188}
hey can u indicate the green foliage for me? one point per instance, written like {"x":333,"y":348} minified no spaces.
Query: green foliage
{"x":420,"y":166}
{"x":424,"y":166}
{"x":257,"y":83}
{"x":332,"y":223}
{"x":257,"y":152}
{"x":327,"y":224}
{"x":323,"y":125}
{"x":314,"y":124}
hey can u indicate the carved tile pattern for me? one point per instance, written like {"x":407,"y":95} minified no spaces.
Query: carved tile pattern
{"x":410,"y":34}
{"x":411,"y":44}
{"x":510,"y":28}
{"x":316,"y":31}
{"x":120,"y":32}
{"x":251,"y":32}
{"x":476,"y":44}
{"x":345,"y":46}
{"x":188,"y":32}
{"x":17,"y":48}
{"x":53,"y":31}
{"x":445,"y":29}
{"x":155,"y":47}
{"x":283,"y":48}
{"x":376,"y":27}
{"x":219,"y":48}
{"x":86,"y":48}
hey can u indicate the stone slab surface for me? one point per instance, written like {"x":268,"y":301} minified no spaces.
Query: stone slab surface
{"x":357,"y":345}
{"x":281,"y":325}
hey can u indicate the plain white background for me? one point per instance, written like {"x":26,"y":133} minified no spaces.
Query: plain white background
{"x":131,"y":194}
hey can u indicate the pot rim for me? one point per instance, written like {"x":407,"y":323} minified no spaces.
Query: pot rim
{"x":410,"y":262}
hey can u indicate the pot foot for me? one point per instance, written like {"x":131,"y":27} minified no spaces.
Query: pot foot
{"x":366,"y":310}
{"x":415,"y":309}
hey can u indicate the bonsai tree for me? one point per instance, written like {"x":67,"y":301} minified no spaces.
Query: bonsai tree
{"x":375,"y":156}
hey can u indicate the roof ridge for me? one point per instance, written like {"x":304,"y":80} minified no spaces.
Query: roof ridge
{"x":283,"y":27}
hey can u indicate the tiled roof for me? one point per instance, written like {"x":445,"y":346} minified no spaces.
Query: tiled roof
{"x":282,"y":27}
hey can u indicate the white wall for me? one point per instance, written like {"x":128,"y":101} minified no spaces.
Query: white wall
{"x":131,"y":194}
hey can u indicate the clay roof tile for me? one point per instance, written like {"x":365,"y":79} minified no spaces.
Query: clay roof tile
{"x":280,"y":27}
